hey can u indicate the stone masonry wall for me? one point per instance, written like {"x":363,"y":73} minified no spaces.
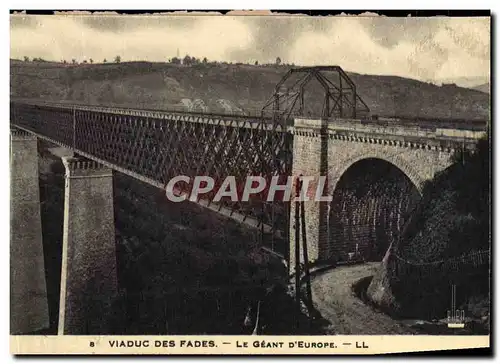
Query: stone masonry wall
{"x":323,"y":148}
{"x":89,"y":277}
{"x":310,"y":159}
{"x":28,"y":290}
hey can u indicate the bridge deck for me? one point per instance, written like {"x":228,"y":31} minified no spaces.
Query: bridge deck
{"x":155,"y":146}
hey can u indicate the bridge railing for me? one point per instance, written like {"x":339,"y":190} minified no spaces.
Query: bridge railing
{"x":387,"y":121}
{"x":450,"y":266}
{"x":247,"y":114}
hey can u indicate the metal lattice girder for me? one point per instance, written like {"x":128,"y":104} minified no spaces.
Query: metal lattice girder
{"x":336,"y":91}
{"x":156,"y":146}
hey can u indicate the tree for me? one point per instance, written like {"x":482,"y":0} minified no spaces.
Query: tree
{"x":91,"y":60}
{"x":187,"y":60}
{"x":256,"y":63}
{"x":73,"y":61}
{"x":205,"y":60}
{"x":118,"y":59}
{"x":175,"y":60}
{"x":104,"y":60}
{"x":278,"y":61}
{"x":84,"y":61}
{"x":26,"y":59}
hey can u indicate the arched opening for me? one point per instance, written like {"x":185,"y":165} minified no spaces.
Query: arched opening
{"x":371,"y":202}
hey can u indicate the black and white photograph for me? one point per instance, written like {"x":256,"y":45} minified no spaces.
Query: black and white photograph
{"x":249,"y":175}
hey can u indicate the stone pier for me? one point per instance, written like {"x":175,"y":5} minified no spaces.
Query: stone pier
{"x":88,"y":275}
{"x":29,"y":310}
{"x":310,"y":158}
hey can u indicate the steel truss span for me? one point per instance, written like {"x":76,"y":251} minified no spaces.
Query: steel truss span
{"x":155,"y":146}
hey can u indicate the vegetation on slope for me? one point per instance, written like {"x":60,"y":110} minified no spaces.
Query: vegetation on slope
{"x":438,"y":246}
{"x":248,"y":87}
{"x":454,"y":215}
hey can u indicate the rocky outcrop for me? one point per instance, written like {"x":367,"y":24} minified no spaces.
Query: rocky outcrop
{"x":379,"y":291}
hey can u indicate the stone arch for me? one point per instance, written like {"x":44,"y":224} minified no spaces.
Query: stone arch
{"x":394,"y":159}
{"x":369,"y":214}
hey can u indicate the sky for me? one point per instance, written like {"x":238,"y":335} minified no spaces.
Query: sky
{"x":429,"y":49}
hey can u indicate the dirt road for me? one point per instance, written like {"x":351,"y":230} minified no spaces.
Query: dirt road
{"x":335,"y":300}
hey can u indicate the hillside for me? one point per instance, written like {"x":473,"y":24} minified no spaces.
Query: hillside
{"x":441,"y":245}
{"x":485,"y":87}
{"x":221,"y":87}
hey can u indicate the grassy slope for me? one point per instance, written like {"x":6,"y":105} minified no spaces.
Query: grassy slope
{"x":453,"y":219}
{"x":160,"y":85}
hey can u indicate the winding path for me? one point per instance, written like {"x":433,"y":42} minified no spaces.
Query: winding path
{"x":335,"y":300}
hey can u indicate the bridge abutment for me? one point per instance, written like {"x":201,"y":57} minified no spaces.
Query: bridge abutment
{"x":310,"y":158}
{"x":88,"y":274}
{"x":29,"y":310}
{"x":329,"y":148}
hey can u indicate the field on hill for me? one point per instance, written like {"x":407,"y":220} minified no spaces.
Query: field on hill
{"x":485,"y":87}
{"x":221,"y":87}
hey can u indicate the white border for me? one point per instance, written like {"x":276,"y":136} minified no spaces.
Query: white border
{"x":188,"y":4}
